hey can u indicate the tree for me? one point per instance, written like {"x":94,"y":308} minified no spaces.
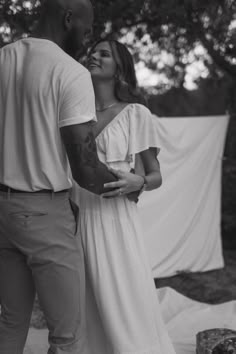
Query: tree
{"x":176,"y":27}
{"x":17,"y":18}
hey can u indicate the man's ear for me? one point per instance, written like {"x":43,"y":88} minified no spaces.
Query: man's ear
{"x":68,"y":19}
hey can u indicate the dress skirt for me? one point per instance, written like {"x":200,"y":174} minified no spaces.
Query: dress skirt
{"x":123,"y":314}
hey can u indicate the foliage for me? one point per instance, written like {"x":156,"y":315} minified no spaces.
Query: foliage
{"x":210,"y":98}
{"x":176,"y":27}
{"x":17,"y":18}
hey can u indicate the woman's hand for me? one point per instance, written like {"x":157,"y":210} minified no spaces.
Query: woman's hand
{"x":128,"y":182}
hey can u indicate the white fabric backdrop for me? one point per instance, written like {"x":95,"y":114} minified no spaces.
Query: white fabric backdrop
{"x":182,"y":226}
{"x":181,"y":220}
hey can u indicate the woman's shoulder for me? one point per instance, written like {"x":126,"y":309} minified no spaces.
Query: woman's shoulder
{"x":137,"y":112}
{"x":128,"y":109}
{"x":139,"y":108}
{"x":130,"y":113}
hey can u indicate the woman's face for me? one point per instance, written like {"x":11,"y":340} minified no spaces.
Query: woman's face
{"x":101,"y":63}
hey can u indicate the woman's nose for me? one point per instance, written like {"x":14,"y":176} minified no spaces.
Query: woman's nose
{"x":95,"y":55}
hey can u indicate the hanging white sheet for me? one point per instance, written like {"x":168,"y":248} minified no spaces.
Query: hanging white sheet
{"x":181,"y":219}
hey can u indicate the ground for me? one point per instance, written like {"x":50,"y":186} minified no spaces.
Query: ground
{"x":211,"y":287}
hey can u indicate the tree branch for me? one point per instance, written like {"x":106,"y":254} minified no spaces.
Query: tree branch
{"x":218,"y":58}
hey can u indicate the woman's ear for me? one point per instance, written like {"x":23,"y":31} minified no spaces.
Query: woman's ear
{"x":118,"y":76}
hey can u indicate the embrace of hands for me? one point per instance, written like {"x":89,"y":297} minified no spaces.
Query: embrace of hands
{"x":128,"y":184}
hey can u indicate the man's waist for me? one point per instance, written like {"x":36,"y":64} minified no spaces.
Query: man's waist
{"x":7,"y":189}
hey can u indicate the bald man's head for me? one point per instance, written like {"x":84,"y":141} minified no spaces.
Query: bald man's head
{"x":70,"y":21}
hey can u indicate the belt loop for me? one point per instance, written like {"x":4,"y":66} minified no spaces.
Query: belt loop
{"x":8,"y":193}
{"x":52,"y":194}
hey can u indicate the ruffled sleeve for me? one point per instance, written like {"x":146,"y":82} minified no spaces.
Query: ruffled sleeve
{"x":142,"y":130}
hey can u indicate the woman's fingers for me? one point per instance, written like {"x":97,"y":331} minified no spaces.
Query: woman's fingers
{"x":117,"y":184}
{"x":127,"y":183}
{"x":117,"y":173}
{"x":115,"y":193}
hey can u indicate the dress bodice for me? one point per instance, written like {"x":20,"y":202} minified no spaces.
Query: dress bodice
{"x":131,"y":131}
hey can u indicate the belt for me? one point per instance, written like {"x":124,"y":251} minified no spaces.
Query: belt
{"x":7,"y":189}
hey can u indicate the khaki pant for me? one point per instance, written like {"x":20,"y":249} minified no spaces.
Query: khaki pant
{"x":41,"y":250}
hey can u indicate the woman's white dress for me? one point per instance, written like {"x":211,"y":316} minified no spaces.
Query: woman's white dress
{"x":123,"y":313}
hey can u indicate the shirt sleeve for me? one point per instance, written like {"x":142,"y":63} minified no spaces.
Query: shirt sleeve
{"x":143,"y":131}
{"x":77,"y":103}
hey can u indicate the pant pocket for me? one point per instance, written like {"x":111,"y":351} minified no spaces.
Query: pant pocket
{"x":25,"y":217}
{"x":75,"y":210}
{"x":26,"y":214}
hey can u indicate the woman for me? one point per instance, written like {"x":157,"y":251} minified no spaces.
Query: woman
{"x":123,"y":311}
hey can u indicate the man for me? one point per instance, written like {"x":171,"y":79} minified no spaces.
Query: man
{"x":46,"y":107}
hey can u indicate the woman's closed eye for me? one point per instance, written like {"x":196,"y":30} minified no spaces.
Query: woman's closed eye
{"x":105,"y":53}
{"x":101,"y":53}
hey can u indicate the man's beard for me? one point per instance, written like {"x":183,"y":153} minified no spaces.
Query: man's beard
{"x":73,"y":46}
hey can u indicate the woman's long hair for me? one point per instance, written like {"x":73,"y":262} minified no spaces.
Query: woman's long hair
{"x":126,"y":88}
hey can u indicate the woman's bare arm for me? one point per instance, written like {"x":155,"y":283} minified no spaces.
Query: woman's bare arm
{"x":129,"y":182}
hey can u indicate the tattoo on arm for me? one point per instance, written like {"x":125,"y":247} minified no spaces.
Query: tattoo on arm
{"x":87,"y":170}
{"x":86,"y":150}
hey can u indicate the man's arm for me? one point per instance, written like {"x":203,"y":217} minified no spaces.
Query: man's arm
{"x":87,"y":170}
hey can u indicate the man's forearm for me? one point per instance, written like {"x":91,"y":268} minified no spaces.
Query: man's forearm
{"x":87,"y":170}
{"x":93,"y":178}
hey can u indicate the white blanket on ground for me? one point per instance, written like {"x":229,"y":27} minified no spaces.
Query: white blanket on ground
{"x":184,"y":318}
{"x":182,"y":218}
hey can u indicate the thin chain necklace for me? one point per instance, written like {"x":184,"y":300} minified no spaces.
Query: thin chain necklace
{"x":106,"y":107}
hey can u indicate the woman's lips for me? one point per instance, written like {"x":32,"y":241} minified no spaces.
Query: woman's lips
{"x":94,"y":65}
